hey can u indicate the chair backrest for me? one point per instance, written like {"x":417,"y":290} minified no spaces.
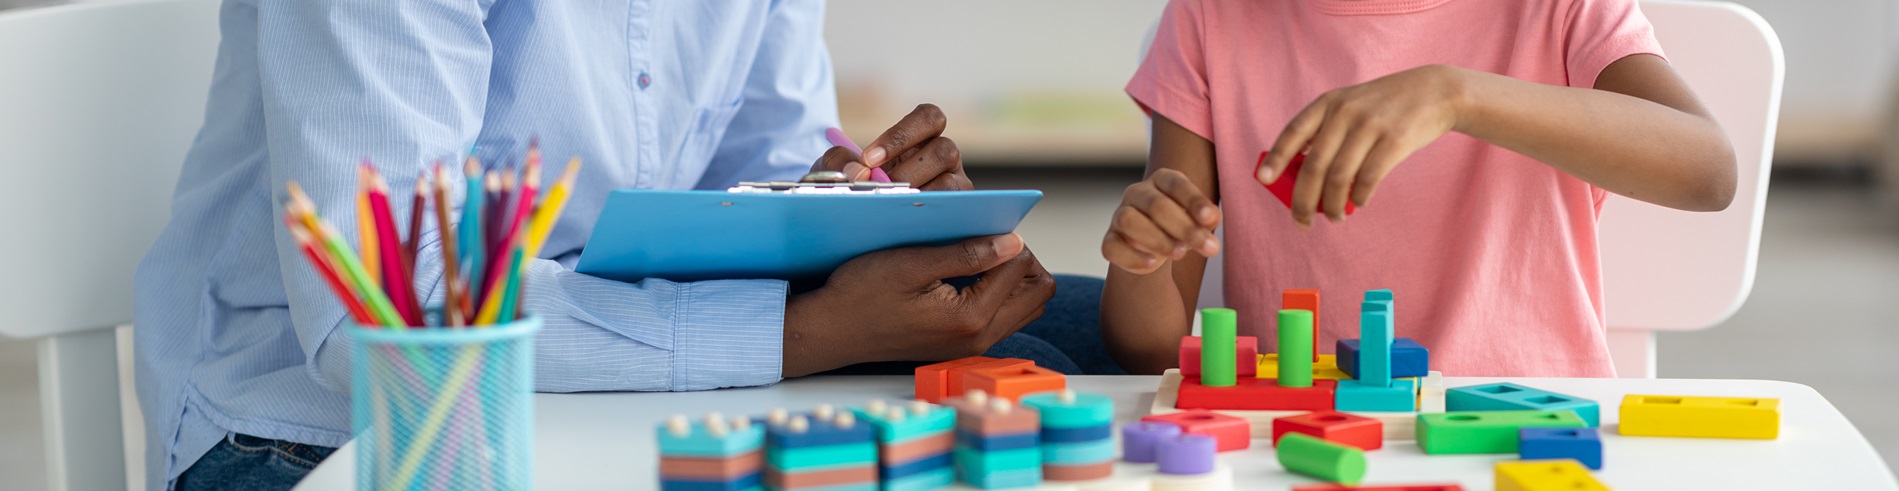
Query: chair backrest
{"x":98,"y":106}
{"x":1666,"y":269}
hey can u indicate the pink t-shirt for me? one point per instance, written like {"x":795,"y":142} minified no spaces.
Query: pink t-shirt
{"x":1492,"y":256}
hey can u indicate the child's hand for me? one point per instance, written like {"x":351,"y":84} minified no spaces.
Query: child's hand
{"x":1354,"y":136}
{"x":1164,"y":216}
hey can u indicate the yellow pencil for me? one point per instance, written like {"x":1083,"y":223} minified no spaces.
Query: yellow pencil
{"x":549,"y":212}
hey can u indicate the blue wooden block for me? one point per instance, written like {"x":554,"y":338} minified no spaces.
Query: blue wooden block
{"x":700,"y":443}
{"x":1071,"y":435}
{"x":747,"y":483}
{"x":1408,"y":358}
{"x":1512,"y":397}
{"x":915,"y":467}
{"x":819,"y":433}
{"x":1582,"y":444}
{"x":1012,"y":441}
{"x":981,"y":463}
{"x":1021,"y":478}
{"x":927,"y":481}
{"x":1082,"y":453}
{"x":1358,"y":395}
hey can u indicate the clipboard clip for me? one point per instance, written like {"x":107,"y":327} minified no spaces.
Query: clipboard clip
{"x":823,"y":182}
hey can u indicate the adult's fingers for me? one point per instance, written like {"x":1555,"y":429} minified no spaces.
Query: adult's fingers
{"x":936,"y":157}
{"x":991,"y":291}
{"x":1026,"y":302}
{"x":923,"y":265}
{"x":948,"y":182}
{"x":841,"y":159}
{"x":925,"y":122}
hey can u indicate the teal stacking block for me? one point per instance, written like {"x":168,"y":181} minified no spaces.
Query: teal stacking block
{"x":821,"y":458}
{"x":701,"y":443}
{"x":978,"y":463}
{"x":1512,"y":397}
{"x":1357,"y":395}
{"x":1083,"y":411}
{"x":913,"y":425}
{"x":1084,"y":453}
{"x":1021,"y":478}
{"x":1379,"y":295}
{"x":926,"y":481}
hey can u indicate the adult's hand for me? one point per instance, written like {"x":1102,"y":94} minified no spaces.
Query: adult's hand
{"x":892,"y":305}
{"x":913,"y":151}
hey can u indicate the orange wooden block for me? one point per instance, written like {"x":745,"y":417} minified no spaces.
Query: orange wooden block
{"x":1305,"y":299}
{"x":1013,"y":382}
{"x":714,"y":469}
{"x":922,"y":447}
{"x":866,"y":474}
{"x":936,"y":381}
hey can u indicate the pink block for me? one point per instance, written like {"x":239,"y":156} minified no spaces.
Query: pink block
{"x":1246,"y":361}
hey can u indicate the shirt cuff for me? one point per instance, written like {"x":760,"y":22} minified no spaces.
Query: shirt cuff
{"x":728,"y":334}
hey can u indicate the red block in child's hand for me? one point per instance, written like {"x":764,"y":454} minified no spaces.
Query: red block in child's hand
{"x":1282,"y":187}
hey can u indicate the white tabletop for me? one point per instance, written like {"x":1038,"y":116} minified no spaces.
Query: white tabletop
{"x":605,"y":440}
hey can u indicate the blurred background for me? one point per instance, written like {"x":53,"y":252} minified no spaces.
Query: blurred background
{"x":1033,"y":91}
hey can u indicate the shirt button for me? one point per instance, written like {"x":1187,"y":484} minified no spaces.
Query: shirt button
{"x":645,"y":80}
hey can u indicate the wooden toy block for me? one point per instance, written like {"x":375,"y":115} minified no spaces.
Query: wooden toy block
{"x":1375,"y":334}
{"x":1072,"y":435}
{"x":898,"y":423}
{"x":1008,"y":441}
{"x":1220,"y":342}
{"x":1399,"y":426}
{"x":1513,"y":397}
{"x":979,"y":414}
{"x":1140,"y":441}
{"x":1013,"y":382}
{"x":1484,"y":431}
{"x":1098,"y":470}
{"x":1245,"y":348}
{"x":935,"y":382}
{"x":1327,"y":368}
{"x":1258,"y":394}
{"x":1069,"y":409}
{"x":1001,"y":479}
{"x":1078,"y":453}
{"x":834,"y":477}
{"x":1331,"y":461}
{"x":1700,"y":417}
{"x":1382,"y":487}
{"x":941,"y":443}
{"x":985,"y":462}
{"x":712,"y":469}
{"x":824,"y":426}
{"x":714,"y":436}
{"x":1188,"y":454}
{"x":1228,"y":432}
{"x":1295,"y":339}
{"x":1582,"y":444}
{"x":1408,"y":358}
{"x":821,"y":458}
{"x":1545,"y":475}
{"x":747,"y":483}
{"x":927,"y":481}
{"x":1356,"y":395}
{"x":1333,"y":426}
{"x":1308,"y":300}
{"x":919,"y":466}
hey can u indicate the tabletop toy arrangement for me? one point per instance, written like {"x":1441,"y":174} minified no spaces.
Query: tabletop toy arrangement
{"x":1015,"y":425}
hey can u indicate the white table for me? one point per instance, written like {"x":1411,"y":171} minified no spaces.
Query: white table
{"x":605,"y":440}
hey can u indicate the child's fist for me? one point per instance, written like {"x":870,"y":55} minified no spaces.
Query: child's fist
{"x":1162,"y":217}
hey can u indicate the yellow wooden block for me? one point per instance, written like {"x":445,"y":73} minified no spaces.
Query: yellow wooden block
{"x":1701,"y":417}
{"x":1326,"y":369}
{"x":1545,"y":475}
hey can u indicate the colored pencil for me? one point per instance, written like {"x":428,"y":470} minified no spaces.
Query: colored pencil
{"x":490,"y":220}
{"x":499,"y":267}
{"x":394,"y":281}
{"x":373,"y":297}
{"x":550,"y":209}
{"x":470,"y":229}
{"x":451,"y":283}
{"x":330,"y":277}
{"x":366,"y":230}
{"x":413,"y":241}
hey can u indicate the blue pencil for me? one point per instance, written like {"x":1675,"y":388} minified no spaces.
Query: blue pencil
{"x":470,"y":229}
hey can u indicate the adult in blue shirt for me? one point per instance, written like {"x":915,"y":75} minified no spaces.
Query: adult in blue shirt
{"x":242,"y":373}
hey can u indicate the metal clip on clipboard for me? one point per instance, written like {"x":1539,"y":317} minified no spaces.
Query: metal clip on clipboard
{"x":823,"y":182}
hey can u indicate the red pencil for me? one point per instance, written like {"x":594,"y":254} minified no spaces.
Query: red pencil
{"x":395,"y":280}
{"x":328,"y":271}
{"x":498,"y":269}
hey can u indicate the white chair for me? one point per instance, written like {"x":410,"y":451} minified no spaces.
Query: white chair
{"x":1670,"y":270}
{"x":98,"y":105}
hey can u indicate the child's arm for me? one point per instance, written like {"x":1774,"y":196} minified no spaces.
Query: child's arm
{"x":1639,"y":133}
{"x":1165,"y":224}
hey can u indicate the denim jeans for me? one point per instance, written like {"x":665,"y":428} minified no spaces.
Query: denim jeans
{"x":252,"y":463}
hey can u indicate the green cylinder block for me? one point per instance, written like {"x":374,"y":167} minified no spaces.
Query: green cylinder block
{"x":1295,"y":348}
{"x":1306,"y":454}
{"x":1219,"y":331}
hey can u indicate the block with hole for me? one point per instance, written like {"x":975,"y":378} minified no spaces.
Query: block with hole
{"x":936,"y":381}
{"x":1512,"y":397}
{"x":1399,"y":395}
{"x":1408,"y":358}
{"x":1245,"y":348}
{"x":1321,"y":459}
{"x":1582,"y":444}
{"x":1230,"y":433}
{"x":1700,"y":417}
{"x":1545,"y":475}
{"x":1475,"y":432}
{"x":1013,"y":382}
{"x":1140,"y":441}
{"x":1343,"y":428}
{"x":1326,"y":368}
{"x":1188,"y":454}
{"x":1258,"y":394}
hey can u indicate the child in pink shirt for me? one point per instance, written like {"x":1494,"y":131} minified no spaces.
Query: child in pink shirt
{"x":1489,"y":131}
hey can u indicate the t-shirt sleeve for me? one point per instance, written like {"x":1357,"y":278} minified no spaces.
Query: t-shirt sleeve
{"x":1599,"y":32}
{"x":1172,"y":78}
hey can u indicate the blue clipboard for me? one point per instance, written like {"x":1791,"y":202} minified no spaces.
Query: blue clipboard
{"x":712,"y":235}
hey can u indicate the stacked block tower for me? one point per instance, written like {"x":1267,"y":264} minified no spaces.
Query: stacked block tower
{"x":825,"y":449}
{"x":1077,"y":435}
{"x":1374,"y":389}
{"x":712,"y":455}
{"x":914,"y":443}
{"x":997,"y":442}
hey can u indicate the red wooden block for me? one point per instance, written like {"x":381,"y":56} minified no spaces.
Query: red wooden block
{"x":1245,"y":348}
{"x":1349,"y":429}
{"x":1013,"y":382}
{"x":1305,"y":299}
{"x":934,"y":382}
{"x":1231,"y":433}
{"x":1262,"y":394}
{"x":1282,"y":187}
{"x":1382,"y":487}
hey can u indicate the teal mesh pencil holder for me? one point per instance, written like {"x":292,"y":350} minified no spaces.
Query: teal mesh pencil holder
{"x":444,"y":408}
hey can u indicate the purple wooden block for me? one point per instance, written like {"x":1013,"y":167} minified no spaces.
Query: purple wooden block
{"x":1140,"y":442}
{"x":1187,"y":455}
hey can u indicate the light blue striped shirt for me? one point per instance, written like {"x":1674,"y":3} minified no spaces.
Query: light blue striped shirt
{"x":236,"y":333}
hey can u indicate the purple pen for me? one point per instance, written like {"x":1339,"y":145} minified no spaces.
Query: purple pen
{"x":836,"y":136}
